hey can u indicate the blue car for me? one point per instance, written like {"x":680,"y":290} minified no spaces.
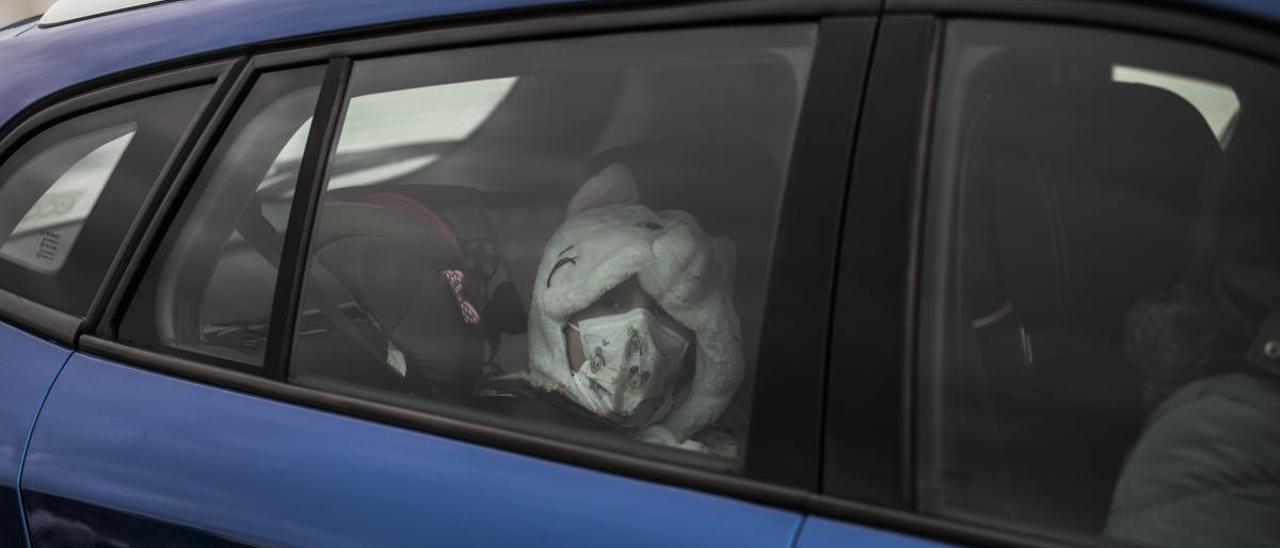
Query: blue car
{"x":748,"y":273}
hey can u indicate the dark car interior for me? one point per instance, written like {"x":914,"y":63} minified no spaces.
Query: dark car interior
{"x":1080,"y":197}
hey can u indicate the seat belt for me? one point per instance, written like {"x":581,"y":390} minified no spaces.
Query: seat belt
{"x":328,"y":291}
{"x":1264,"y":353}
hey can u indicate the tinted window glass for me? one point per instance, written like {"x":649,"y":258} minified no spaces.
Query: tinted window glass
{"x":46,"y":233}
{"x":570,"y":235}
{"x":1102,"y":267}
{"x":68,"y":195}
{"x":210,"y":287}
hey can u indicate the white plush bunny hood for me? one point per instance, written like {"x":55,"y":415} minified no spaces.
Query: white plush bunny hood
{"x":607,"y":238}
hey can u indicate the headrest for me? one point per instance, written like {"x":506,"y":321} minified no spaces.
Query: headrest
{"x":1245,"y":274}
{"x":706,"y":172}
{"x":1091,"y":191}
{"x":401,"y":263}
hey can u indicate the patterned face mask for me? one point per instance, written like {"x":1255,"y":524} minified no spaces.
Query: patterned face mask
{"x":632,"y":362}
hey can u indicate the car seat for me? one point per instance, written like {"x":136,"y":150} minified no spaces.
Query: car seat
{"x":392,"y":277}
{"x":1078,"y":197}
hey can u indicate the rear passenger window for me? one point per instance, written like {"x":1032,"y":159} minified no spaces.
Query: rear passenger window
{"x":567,"y":237}
{"x":68,"y":195}
{"x":1101,"y":325}
{"x":209,"y":289}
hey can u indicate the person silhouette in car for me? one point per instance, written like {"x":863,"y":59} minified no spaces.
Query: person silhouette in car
{"x":632,"y":319}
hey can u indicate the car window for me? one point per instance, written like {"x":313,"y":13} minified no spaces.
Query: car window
{"x":370,"y":130}
{"x":1216,"y":102}
{"x":571,"y":236}
{"x":82,"y":179}
{"x":46,"y":233}
{"x":210,"y":287}
{"x":1099,"y":339}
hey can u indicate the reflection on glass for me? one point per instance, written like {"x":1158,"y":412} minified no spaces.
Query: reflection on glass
{"x":44,"y":237}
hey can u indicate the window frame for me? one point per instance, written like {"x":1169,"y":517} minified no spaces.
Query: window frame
{"x":886,"y":185}
{"x":313,"y":175}
{"x":63,"y":327}
{"x":239,"y":85}
{"x":901,"y":152}
{"x":811,"y":207}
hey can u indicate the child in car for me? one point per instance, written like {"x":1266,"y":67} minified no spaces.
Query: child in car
{"x":632,"y":319}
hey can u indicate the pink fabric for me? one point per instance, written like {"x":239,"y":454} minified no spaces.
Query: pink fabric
{"x":405,"y":204}
{"x":455,"y":279}
{"x":612,"y":186}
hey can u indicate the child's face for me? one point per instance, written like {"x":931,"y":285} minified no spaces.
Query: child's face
{"x":626,"y":297}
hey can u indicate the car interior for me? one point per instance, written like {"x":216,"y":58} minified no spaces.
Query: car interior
{"x":1079,"y":196}
{"x":709,"y":134}
{"x":211,"y":294}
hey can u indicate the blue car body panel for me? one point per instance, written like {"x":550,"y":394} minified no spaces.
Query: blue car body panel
{"x":139,"y":446}
{"x":36,"y":60}
{"x":819,"y":532}
{"x":28,"y":366}
{"x":1263,"y":9}
{"x":42,"y":61}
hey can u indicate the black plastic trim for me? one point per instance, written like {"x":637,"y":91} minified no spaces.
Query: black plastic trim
{"x":786,"y":431}
{"x":946,"y":530}
{"x":37,"y":318}
{"x":566,"y":21}
{"x":312,"y":175}
{"x":105,"y":97}
{"x":1202,"y":24}
{"x":868,"y":451}
{"x":231,"y":88}
{"x":913,"y":274}
{"x":151,"y":204}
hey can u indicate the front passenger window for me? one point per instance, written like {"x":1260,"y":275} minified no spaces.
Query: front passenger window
{"x":1100,"y":350}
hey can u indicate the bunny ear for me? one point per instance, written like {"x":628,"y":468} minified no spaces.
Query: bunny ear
{"x":614,"y":185}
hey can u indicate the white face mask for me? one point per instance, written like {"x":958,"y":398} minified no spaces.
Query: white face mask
{"x":632,"y":362}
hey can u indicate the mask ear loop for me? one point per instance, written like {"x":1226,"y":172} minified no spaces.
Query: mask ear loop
{"x":568,"y":360}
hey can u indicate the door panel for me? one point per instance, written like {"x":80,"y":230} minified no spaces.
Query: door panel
{"x":115,"y":442}
{"x":56,"y":521}
{"x":824,"y":533}
{"x":28,"y":366}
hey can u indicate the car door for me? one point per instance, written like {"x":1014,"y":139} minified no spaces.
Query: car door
{"x":253,"y":384}
{"x":1050,"y":339}
{"x":30,"y":365}
{"x":71,"y":183}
